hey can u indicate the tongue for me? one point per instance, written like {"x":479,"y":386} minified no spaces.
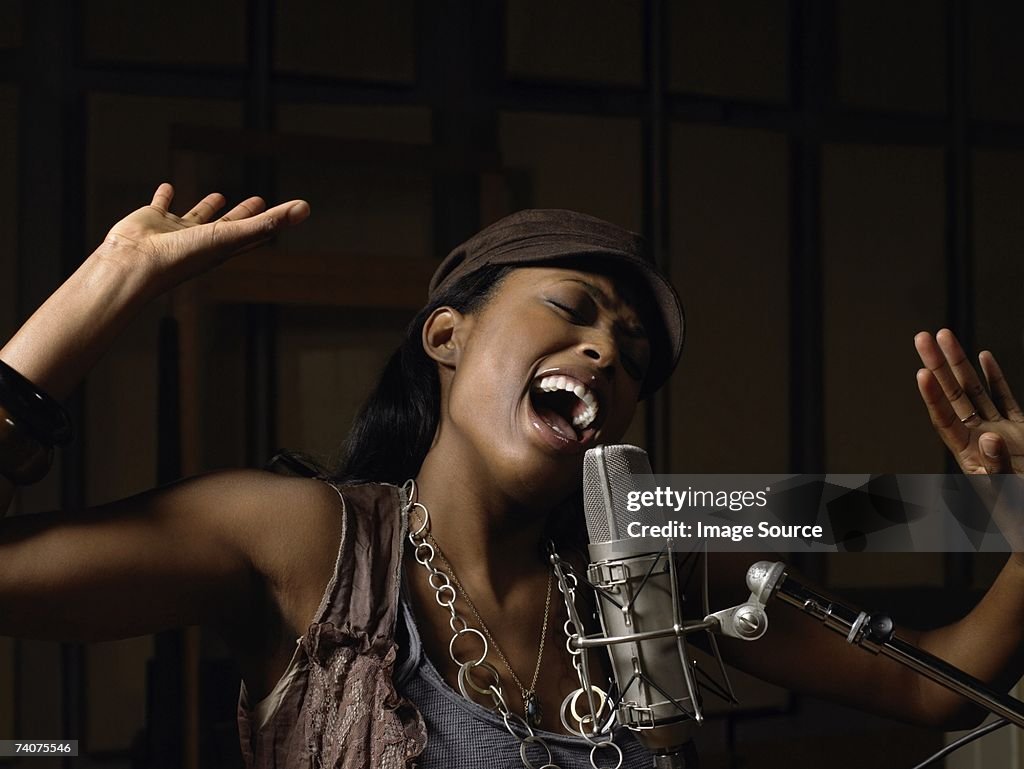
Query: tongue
{"x":557,"y":422}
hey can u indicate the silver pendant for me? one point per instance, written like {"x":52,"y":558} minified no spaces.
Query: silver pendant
{"x":532,"y":707}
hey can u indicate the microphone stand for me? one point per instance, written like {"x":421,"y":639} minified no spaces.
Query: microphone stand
{"x":873,"y":632}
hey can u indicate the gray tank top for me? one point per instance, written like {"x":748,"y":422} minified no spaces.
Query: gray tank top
{"x":462,"y":733}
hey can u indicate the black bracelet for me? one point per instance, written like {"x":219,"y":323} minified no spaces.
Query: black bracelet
{"x":34,"y":410}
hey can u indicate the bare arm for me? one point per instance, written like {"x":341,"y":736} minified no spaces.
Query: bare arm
{"x":195,"y":552}
{"x":143,"y":255}
{"x":208,"y":550}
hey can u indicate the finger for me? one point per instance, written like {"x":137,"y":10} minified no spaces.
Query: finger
{"x":945,"y":420}
{"x":938,"y":361}
{"x":995,"y":456}
{"x":287,"y":214}
{"x":967,"y":376}
{"x":999,"y":387}
{"x":231,"y":236}
{"x":245,"y":209}
{"x":163,"y":196}
{"x":204,"y":210}
{"x":935,"y":361}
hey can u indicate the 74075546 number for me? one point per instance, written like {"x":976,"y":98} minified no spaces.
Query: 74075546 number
{"x":13,"y":748}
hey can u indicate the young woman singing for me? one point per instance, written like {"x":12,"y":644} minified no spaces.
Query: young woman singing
{"x":540,"y":336}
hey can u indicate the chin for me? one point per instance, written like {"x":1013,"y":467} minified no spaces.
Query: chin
{"x":548,"y":480}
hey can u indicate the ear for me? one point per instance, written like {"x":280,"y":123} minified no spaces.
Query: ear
{"x":442,"y":332}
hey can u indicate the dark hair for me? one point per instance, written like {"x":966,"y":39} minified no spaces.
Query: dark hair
{"x":395,"y":427}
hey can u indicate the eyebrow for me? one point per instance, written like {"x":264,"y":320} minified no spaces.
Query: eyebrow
{"x":599,"y":296}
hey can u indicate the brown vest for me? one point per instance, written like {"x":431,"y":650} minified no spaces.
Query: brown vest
{"x":342,"y":711}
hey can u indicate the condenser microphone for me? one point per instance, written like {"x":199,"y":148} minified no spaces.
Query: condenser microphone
{"x":638,"y":601}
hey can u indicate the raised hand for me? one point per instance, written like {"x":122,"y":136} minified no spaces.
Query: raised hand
{"x":171,"y":249}
{"x":982,"y":426}
{"x":146,"y":253}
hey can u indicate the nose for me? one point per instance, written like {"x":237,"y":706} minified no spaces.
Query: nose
{"x":600,"y":347}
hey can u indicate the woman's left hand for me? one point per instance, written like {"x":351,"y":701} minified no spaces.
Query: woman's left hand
{"x":983,"y":428}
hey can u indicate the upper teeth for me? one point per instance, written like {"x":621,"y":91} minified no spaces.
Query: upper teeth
{"x":580,"y":390}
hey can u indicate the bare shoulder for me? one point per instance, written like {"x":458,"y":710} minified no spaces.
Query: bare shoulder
{"x":289,"y":528}
{"x":260,"y":512}
{"x":245,"y":552}
{"x":287,"y":531}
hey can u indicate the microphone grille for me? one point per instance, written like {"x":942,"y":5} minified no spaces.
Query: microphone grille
{"x":608,"y":477}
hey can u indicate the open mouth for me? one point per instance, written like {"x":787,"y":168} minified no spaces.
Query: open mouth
{"x":566,"y":405}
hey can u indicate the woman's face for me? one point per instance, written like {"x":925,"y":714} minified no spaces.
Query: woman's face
{"x":551,"y":366}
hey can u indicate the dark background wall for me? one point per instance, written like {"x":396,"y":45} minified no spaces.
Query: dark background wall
{"x":821,"y":179}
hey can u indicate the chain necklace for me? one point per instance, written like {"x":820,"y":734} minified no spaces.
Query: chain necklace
{"x":531,"y":703}
{"x":599,"y":736}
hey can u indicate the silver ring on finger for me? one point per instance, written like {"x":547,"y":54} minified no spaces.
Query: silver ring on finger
{"x":969,"y":417}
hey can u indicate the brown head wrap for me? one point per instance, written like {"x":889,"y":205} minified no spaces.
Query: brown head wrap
{"x":536,"y":236}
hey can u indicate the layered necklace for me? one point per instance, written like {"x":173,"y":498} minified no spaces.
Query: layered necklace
{"x":531,"y":704}
{"x":477,"y":675}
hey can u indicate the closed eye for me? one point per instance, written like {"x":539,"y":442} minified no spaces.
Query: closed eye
{"x":574,"y":315}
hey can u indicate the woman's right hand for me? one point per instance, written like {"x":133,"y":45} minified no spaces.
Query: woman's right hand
{"x":169,"y":249}
{"x":148,"y":252}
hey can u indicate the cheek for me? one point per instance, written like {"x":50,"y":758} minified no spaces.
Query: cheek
{"x":486,"y":384}
{"x":624,"y":414}
{"x":507,"y":345}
